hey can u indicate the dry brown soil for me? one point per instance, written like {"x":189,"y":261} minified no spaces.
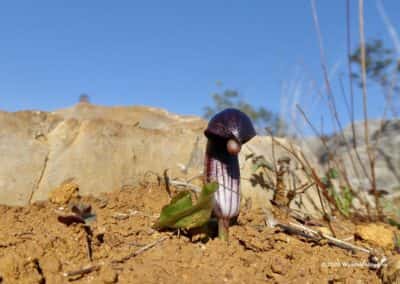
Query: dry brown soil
{"x":35,"y":247}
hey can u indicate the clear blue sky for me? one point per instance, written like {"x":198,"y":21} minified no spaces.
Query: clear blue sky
{"x":169,"y":54}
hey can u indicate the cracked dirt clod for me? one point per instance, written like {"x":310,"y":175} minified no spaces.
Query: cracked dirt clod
{"x":64,"y":193}
{"x":376,"y":234}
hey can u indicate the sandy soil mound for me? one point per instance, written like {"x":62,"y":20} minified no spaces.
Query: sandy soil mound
{"x":121,"y":247}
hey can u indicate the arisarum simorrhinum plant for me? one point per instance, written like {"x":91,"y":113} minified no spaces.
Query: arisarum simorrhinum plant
{"x":227,"y":131}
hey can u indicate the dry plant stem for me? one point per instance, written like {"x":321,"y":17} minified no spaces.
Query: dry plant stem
{"x":316,"y":132}
{"x":304,"y":163}
{"x":337,"y":164}
{"x":378,"y":136}
{"x":365,"y":108}
{"x":96,"y":267}
{"x":290,"y":151}
{"x":141,"y":250}
{"x":331,"y":101}
{"x":273,"y":152}
{"x":326,"y":216}
{"x":195,"y":177}
{"x":187,"y":185}
{"x":344,"y":96}
{"x":279,"y":197}
{"x":348,"y":40}
{"x":348,"y":148}
{"x":177,"y":183}
{"x":166,"y":181}
{"x":82,"y":271}
{"x":316,"y":236}
{"x":88,"y":242}
{"x":123,"y":216}
{"x":320,"y":186}
{"x":303,"y":187}
{"x":322,"y":59}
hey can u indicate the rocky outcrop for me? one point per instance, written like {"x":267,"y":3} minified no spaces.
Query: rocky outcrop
{"x":100,"y":148}
{"x":105,"y":148}
{"x":383,"y":136}
{"x":24,"y":153}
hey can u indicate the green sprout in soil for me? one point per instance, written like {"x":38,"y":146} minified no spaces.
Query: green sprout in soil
{"x":181,"y":213}
{"x":343,"y":198}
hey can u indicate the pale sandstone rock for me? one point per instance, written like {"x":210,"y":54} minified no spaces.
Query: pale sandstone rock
{"x":105,"y":148}
{"x":385,"y":136}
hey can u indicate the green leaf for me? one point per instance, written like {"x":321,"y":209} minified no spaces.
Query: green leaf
{"x":179,"y":203}
{"x":333,"y":173}
{"x":325,"y":181}
{"x":181,"y":213}
{"x":394,"y":223}
{"x":343,"y":200}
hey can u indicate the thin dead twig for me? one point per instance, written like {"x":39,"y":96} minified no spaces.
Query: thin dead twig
{"x":88,"y":238}
{"x":95,"y":267}
{"x":200,"y":175}
{"x":310,"y":172}
{"x":177,"y":183}
{"x":82,"y":271}
{"x":140,"y":251}
{"x":167,"y":183}
{"x":316,"y":236}
{"x":330,"y":96}
{"x":123,"y":216}
{"x":350,"y":72}
{"x":370,"y":151}
{"x":187,"y":185}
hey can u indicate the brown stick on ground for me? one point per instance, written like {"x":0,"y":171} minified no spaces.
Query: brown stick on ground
{"x":316,"y":236}
{"x":82,"y":271}
{"x":141,"y":250}
{"x":95,"y":267}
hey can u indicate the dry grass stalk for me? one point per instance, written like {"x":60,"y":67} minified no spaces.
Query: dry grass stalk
{"x":331,"y":100}
{"x":348,"y":40}
{"x":311,"y":174}
{"x":140,"y":251}
{"x":370,"y":153}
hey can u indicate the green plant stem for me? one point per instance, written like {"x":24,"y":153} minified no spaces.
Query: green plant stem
{"x":223,"y":229}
